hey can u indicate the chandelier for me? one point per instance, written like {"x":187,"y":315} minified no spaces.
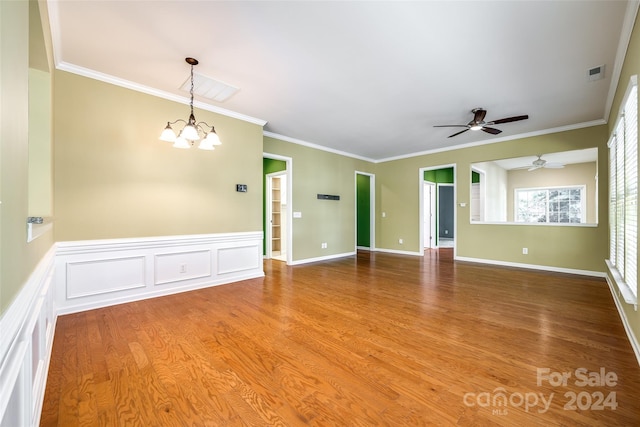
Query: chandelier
{"x":192,"y":131}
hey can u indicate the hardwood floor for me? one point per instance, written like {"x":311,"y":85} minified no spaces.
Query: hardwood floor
{"x":376,"y":339}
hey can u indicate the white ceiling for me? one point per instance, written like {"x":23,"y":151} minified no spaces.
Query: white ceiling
{"x":366,"y":78}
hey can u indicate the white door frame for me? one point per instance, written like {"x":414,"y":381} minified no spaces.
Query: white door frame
{"x":429,"y":242}
{"x":421,"y":214}
{"x":289,"y":214}
{"x":372,"y":210}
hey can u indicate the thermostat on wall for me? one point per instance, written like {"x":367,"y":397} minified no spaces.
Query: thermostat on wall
{"x":241,"y":188}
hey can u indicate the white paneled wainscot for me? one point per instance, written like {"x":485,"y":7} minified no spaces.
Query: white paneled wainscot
{"x":91,"y":274}
{"x":83,"y":275}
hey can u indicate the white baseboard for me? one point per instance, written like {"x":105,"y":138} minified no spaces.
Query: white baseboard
{"x":322,"y":258}
{"x":27,"y":328}
{"x":398,"y":252}
{"x":625,"y":321}
{"x":532,"y":266}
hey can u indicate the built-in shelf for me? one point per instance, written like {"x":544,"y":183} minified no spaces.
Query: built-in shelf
{"x":275,"y":215}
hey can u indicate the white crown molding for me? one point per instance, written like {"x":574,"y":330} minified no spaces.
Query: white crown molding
{"x":316,"y":146}
{"x":496,"y":140}
{"x":621,"y":53}
{"x":96,"y":75}
{"x":437,"y":150}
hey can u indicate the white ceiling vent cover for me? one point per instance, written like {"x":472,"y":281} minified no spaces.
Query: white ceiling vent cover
{"x":209,"y":88}
{"x":595,"y":73}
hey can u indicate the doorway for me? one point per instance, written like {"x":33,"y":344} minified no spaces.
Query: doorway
{"x":277,"y":208}
{"x":437,"y":206}
{"x":365,"y":211}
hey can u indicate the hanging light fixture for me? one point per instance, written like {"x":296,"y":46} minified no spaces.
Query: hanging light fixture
{"x":192,"y":131}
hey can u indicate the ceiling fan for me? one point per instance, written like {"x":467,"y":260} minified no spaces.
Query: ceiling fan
{"x":540,"y":163}
{"x":478,"y":123}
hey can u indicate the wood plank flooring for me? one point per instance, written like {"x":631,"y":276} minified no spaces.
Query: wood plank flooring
{"x":371,"y":340}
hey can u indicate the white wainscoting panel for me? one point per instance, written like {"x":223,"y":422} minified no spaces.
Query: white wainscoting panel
{"x":86,"y":278}
{"x":177,"y":266}
{"x":239,"y":259}
{"x":26,"y":340}
{"x":98,"y":273}
{"x":76,"y":276}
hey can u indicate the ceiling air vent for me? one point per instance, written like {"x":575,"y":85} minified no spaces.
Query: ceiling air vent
{"x":210,"y":88}
{"x":595,"y":73}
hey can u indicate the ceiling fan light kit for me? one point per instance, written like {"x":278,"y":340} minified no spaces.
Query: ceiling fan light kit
{"x":540,"y":163}
{"x":478,"y":123}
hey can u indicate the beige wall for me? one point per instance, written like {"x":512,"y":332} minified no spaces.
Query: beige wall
{"x":581,"y":248}
{"x":17,"y":257}
{"x":630,"y":67}
{"x":571,"y":175}
{"x":114,"y":178}
{"x":333,"y":222}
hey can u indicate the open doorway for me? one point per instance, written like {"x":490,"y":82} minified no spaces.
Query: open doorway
{"x":437,"y":206}
{"x":278,"y":227}
{"x":365,"y":211}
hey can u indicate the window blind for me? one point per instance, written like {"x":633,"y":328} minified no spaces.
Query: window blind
{"x":623,"y":194}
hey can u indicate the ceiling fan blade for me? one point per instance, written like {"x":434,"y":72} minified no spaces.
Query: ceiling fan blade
{"x":508,"y":120}
{"x":458,"y":133}
{"x":451,"y":126}
{"x":533,"y":168}
{"x":492,"y":131}
{"x":479,"y":114}
{"x":553,"y":165}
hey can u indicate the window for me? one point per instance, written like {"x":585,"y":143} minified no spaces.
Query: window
{"x":623,"y":196}
{"x":564,"y":205}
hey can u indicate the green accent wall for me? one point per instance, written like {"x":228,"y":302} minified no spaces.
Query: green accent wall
{"x":440,"y":176}
{"x":268,"y":166}
{"x":363,"y":207}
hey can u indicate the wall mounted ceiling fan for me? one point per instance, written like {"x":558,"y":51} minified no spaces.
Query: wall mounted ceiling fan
{"x":478,"y":123}
{"x":540,"y":163}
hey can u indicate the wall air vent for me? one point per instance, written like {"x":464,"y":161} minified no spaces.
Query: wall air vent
{"x":210,"y":88}
{"x":595,"y":73}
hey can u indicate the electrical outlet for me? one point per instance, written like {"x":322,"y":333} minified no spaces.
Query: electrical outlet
{"x":183,"y":268}
{"x":401,"y":241}
{"x":384,"y":214}
{"x":525,"y":251}
{"x":323,"y":245}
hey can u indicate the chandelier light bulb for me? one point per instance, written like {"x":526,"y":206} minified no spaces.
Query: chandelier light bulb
{"x":181,"y":142}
